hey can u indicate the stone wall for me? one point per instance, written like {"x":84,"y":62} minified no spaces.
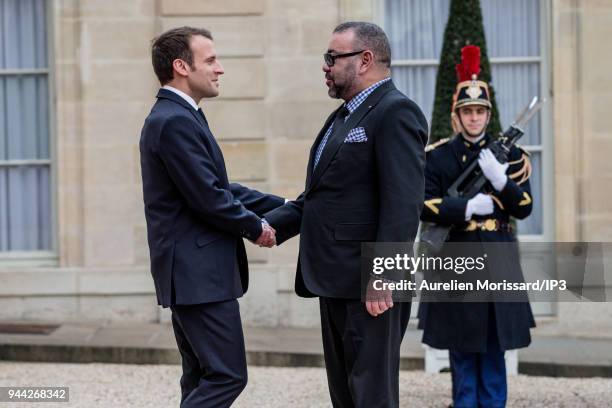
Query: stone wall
{"x":582,"y":128}
{"x":273,"y":101}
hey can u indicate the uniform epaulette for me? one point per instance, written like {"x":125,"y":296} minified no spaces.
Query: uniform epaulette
{"x":440,"y":142}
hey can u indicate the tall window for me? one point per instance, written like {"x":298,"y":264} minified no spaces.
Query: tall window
{"x":25,"y":157}
{"x":514,"y":43}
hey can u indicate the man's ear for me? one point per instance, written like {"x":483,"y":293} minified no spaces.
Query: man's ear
{"x":367,"y":60}
{"x":180,"y":67}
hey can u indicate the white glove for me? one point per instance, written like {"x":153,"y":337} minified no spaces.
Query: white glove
{"x":493,"y":170}
{"x":480,"y":204}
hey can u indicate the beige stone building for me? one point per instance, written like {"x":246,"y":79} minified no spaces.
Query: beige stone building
{"x":72,"y":230}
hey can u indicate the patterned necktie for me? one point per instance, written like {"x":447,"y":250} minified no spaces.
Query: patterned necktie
{"x":340,"y":117}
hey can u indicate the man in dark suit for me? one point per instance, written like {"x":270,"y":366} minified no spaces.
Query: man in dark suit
{"x":196,"y":221}
{"x":364,"y":183}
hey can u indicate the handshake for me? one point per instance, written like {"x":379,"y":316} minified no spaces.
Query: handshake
{"x":267,"y":238}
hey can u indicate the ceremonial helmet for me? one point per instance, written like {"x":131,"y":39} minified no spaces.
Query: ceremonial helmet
{"x":470,"y":90}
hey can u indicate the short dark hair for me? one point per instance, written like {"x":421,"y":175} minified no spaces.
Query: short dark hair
{"x":171,"y":45}
{"x":369,"y":36}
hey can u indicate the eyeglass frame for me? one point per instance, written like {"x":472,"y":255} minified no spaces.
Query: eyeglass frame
{"x":329,"y":57}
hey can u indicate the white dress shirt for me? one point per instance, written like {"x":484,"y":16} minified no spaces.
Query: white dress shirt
{"x":183,"y":95}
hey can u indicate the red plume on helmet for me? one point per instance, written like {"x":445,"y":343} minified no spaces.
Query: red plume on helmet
{"x":470,"y":63}
{"x":470,"y":90}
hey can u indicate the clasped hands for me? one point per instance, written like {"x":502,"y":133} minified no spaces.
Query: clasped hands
{"x":267,"y":238}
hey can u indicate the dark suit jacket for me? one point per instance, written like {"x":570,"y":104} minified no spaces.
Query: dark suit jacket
{"x":368,"y":191}
{"x":195,"y":218}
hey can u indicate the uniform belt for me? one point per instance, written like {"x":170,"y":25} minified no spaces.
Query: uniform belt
{"x":489,"y":225}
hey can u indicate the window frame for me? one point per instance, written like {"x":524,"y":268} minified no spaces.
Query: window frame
{"x":542,"y":310}
{"x":545,"y":148}
{"x":44,"y":257}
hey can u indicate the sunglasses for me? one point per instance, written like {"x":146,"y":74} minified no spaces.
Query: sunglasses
{"x":330,"y":59}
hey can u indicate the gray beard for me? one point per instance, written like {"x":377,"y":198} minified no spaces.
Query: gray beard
{"x":338,"y":92}
{"x":333,"y":92}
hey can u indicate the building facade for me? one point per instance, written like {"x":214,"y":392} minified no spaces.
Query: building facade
{"x":76,"y":84}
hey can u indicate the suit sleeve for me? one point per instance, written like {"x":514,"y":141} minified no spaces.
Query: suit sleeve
{"x":254,"y":200}
{"x":399,"y":143}
{"x":439,"y":208}
{"x":516,"y":194}
{"x":192,"y":170}
{"x":286,"y":219}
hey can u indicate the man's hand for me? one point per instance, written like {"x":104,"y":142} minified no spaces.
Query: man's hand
{"x":493,"y":170}
{"x":480,"y":204}
{"x":377,"y":301}
{"x":268,"y":236}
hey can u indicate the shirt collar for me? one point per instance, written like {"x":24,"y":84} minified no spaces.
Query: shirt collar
{"x":358,"y":99}
{"x":183,"y":95}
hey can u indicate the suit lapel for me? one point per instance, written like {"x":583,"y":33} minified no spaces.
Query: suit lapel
{"x":217,"y":154}
{"x":316,"y":143}
{"x":337,"y":137}
{"x":166,"y":94}
{"x":199,"y":118}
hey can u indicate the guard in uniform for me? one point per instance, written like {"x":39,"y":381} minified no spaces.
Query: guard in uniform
{"x":476,"y":334}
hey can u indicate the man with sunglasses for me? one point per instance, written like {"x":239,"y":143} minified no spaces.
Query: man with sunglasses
{"x":364,"y":183}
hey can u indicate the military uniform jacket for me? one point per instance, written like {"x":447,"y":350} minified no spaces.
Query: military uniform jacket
{"x":463,"y":326}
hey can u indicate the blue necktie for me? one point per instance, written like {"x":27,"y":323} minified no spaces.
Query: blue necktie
{"x":201,"y":112}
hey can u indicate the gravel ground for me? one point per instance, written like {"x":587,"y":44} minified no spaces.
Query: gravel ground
{"x":125,"y":386}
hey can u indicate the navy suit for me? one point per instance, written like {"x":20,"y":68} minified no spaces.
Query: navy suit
{"x":363,"y":189}
{"x":196,"y":221}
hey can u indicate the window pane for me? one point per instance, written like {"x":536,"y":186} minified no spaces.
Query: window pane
{"x":23,"y":28}
{"x":533,"y":223}
{"x":25,"y":202}
{"x":415,"y":27}
{"x":512,"y":27}
{"x":24,"y":128}
{"x":25,"y":190}
{"x":416,"y":82}
{"x":515,"y":86}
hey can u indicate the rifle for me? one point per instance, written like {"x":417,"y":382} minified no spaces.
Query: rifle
{"x":472,"y":181}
